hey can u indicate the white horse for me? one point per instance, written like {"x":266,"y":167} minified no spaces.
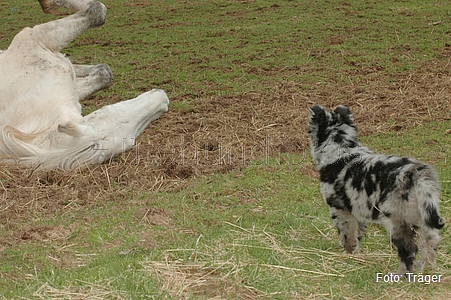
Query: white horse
{"x":40,"y":92}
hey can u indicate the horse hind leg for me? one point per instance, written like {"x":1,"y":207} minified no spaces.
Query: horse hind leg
{"x":56,"y":35}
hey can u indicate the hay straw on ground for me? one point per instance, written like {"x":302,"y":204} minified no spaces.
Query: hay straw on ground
{"x":204,"y":279}
{"x":89,"y":291}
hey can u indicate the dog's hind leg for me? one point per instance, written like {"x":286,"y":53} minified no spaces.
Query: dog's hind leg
{"x":403,"y":237}
{"x":428,"y":241}
{"x":427,"y":192}
{"x":349,"y":230}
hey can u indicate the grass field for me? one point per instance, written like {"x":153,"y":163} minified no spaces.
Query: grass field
{"x":219,"y":199}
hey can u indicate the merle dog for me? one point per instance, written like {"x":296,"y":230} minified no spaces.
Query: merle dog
{"x":361,"y":187}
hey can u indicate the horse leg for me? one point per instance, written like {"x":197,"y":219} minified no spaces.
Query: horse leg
{"x":55,"y":35}
{"x":91,"y":79}
{"x":49,"y":6}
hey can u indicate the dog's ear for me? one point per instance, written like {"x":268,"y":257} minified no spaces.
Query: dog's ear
{"x":345,"y":114}
{"x":317,"y":114}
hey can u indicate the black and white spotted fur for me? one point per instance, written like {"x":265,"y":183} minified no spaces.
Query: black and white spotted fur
{"x":361,"y":187}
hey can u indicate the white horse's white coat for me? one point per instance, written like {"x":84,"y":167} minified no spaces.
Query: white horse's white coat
{"x":40,"y":89}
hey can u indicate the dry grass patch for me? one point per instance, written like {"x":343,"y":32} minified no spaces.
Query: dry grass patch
{"x":88,"y":291}
{"x":182,"y":280}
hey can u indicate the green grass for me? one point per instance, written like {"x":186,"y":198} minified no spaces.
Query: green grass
{"x":262,"y":232}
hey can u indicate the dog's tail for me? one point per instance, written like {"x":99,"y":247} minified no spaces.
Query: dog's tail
{"x":427,"y":190}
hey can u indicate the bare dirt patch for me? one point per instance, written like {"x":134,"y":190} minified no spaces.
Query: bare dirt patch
{"x":154,"y":216}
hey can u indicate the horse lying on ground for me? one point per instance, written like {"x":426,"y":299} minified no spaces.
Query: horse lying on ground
{"x":40,"y":91}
